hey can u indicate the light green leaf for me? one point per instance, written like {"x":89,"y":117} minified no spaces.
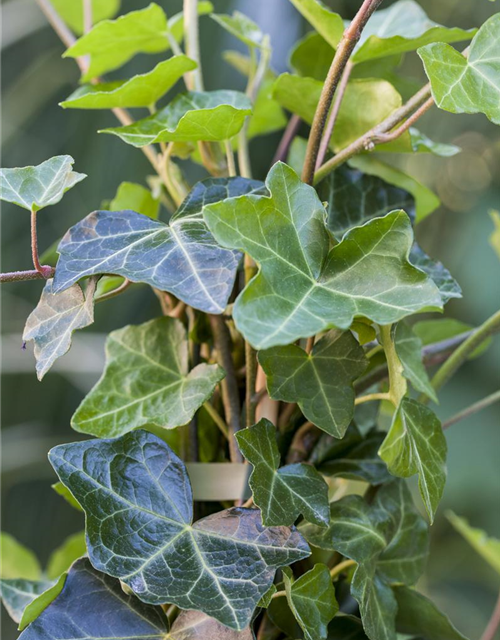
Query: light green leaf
{"x":193,"y":116}
{"x":176,"y":22}
{"x":62,"y":558}
{"x":404,"y":26}
{"x":419,"y":616}
{"x":16,"y":560}
{"x":423,"y":144}
{"x":34,"y":608}
{"x":71,"y":11}
{"x":495,"y":234}
{"x":111,"y":43}
{"x":283,"y":493}
{"x":328,"y":24}
{"x":52,"y":323}
{"x":312,"y":600}
{"x":65,"y":493}
{"x":416,"y":444}
{"x":487,"y":547}
{"x":240,"y":26}
{"x":320,"y":382}
{"x":195,"y":625}
{"x":146,"y":380}
{"x":137,"y":198}
{"x":34,"y":188}
{"x":467,"y":85}
{"x":312,"y":56}
{"x":409,"y":351}
{"x":267,"y":598}
{"x":142,"y":90}
{"x":17,"y":593}
{"x":303,"y":287}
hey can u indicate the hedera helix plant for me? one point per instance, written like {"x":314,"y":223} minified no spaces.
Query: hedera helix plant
{"x":289,"y":334}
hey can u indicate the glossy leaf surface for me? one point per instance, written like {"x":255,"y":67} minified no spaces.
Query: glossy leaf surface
{"x":283,"y":493}
{"x":320,"y":382}
{"x":409,"y":351}
{"x":303,"y":287}
{"x":160,"y":554}
{"x":328,"y":24}
{"x":146,"y":381}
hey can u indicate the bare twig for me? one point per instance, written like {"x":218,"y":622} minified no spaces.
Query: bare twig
{"x":494,"y":623}
{"x":19,"y":276}
{"x":87,"y":15}
{"x":192,"y":39}
{"x":474,"y":408}
{"x":289,"y":134}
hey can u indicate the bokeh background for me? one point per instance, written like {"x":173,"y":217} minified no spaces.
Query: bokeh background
{"x":36,"y":416}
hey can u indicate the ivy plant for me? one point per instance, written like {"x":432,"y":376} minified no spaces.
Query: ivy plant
{"x":289,"y":353}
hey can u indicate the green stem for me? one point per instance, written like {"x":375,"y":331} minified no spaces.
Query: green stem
{"x":231,"y":167}
{"x":213,"y":413}
{"x":397,"y":382}
{"x":342,"y":566}
{"x":474,"y":408}
{"x":193,"y":43}
{"x":372,"y":397}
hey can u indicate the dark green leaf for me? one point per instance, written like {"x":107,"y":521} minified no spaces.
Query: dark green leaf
{"x":137,"y":486}
{"x":282,"y":617}
{"x":190,"y":117}
{"x":137,"y":198}
{"x":71,"y":11}
{"x":146,"y":381}
{"x":143,"y":90}
{"x":16,"y":560}
{"x":194,"y":625}
{"x":467,"y":85}
{"x":303,"y":287}
{"x":40,"y":186}
{"x":416,"y":444}
{"x":346,"y":627}
{"x":439,"y":274}
{"x":409,"y":351}
{"x":328,"y":24}
{"x":181,"y":257}
{"x":377,"y":604}
{"x":312,"y":600}
{"x":487,"y":547}
{"x":320,"y":382}
{"x":267,"y":598}
{"x":281,"y":493}
{"x":240,"y":26}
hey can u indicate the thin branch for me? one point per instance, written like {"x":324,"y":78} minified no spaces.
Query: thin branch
{"x":192,"y":39}
{"x":474,"y":408}
{"x":340,"y":567}
{"x":397,"y":381}
{"x":372,"y":397}
{"x":346,"y":46}
{"x":34,"y":243}
{"x":231,"y":167}
{"x":494,"y":623}
{"x":115,"y":292}
{"x":212,"y":412}
{"x":87,"y":15}
{"x":20,"y":276}
{"x":394,"y":135}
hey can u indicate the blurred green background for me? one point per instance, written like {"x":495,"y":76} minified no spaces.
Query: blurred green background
{"x":36,"y":416}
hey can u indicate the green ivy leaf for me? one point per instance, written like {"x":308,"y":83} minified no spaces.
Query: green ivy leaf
{"x":312,"y":600}
{"x":190,"y":117}
{"x":240,"y":26}
{"x":71,"y":11}
{"x":156,"y":529}
{"x":34,"y":188}
{"x":419,"y":616}
{"x":467,"y":85}
{"x":303,"y":287}
{"x":34,"y":608}
{"x":423,"y":144}
{"x":17,"y":561}
{"x":65,"y":493}
{"x":137,"y":198}
{"x":487,"y":547}
{"x":195,"y":625}
{"x":143,"y":90}
{"x":402,"y":27}
{"x":437,"y":272}
{"x":377,"y":604}
{"x":17,"y":593}
{"x":267,"y":598}
{"x":346,"y":627}
{"x":328,"y":24}
{"x":283,"y":493}
{"x":181,"y":257}
{"x":62,"y":558}
{"x":320,"y":382}
{"x":409,"y":351}
{"x":101,"y":598}
{"x":150,"y":362}
{"x":52,"y":323}
{"x":312,"y":56}
{"x":416,"y":444}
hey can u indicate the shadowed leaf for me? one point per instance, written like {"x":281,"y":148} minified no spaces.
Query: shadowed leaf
{"x":195,"y":625}
{"x":409,"y":351}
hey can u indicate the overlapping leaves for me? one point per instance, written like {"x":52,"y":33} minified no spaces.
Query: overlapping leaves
{"x":409,"y":350}
{"x":71,"y":11}
{"x":327,"y":23}
{"x":136,"y":485}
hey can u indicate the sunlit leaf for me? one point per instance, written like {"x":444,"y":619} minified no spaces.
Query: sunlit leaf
{"x":17,"y":593}
{"x":409,"y":350}
{"x":240,"y":26}
{"x":303,"y":287}
{"x":487,"y":547}
{"x":71,"y":11}
{"x":283,"y":493}
{"x":195,"y":625}
{"x":65,"y":493}
{"x":140,"y":91}
{"x":54,"y":319}
{"x":136,"y":485}
{"x":176,"y":22}
{"x":34,"y":188}
{"x":62,"y":558}
{"x":17,"y":561}
{"x":328,"y":24}
{"x":416,"y":444}
{"x":320,"y":382}
{"x":181,"y":257}
{"x":467,"y":85}
{"x":137,"y":198}
{"x":146,"y":380}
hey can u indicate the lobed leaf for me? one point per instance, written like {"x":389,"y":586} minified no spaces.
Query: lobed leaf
{"x":303,"y":287}
{"x":71,"y":11}
{"x":409,"y":351}
{"x":136,"y":485}
{"x":320,"y":382}
{"x":195,"y":625}
{"x":181,"y":257}
{"x":242,"y":27}
{"x":34,"y":188}
{"x":328,"y":24}
{"x":283,"y":493}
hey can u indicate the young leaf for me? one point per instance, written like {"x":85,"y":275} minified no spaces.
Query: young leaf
{"x":34,"y":188}
{"x":416,"y":444}
{"x":137,"y":198}
{"x":146,"y":381}
{"x":283,"y":493}
{"x":93,"y":605}
{"x":328,"y":24}
{"x":17,"y":593}
{"x":409,"y":351}
{"x":146,"y":495}
{"x":52,"y":323}
{"x":190,"y":117}
{"x":419,"y":616}
{"x":111,"y":43}
{"x":303,"y":288}
{"x":438,"y":273}
{"x":62,"y":558}
{"x":143,"y":90}
{"x":240,"y":26}
{"x":71,"y":11}
{"x":194,"y":625}
{"x":404,"y":26}
{"x":320,"y":382}
{"x":467,"y":85}
{"x":34,"y":608}
{"x":17,"y":561}
{"x":181,"y":257}
{"x":487,"y":547}
{"x":65,"y":493}
{"x":312,"y":600}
